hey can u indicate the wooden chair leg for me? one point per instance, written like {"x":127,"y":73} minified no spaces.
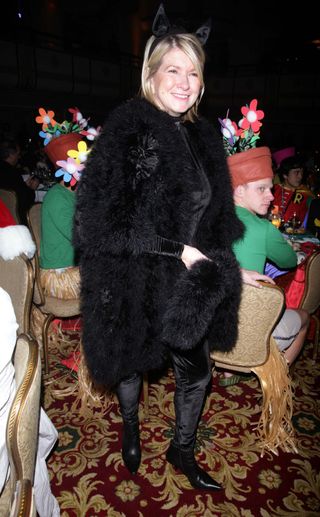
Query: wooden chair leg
{"x":146,"y":396}
{"x":45,"y":344}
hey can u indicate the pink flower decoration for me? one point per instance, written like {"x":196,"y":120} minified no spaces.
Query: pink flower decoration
{"x":70,"y":165}
{"x":91,"y":133}
{"x":77,"y":117}
{"x":251,"y":117}
{"x":70,"y":170}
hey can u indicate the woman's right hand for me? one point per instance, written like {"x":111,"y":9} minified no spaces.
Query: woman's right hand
{"x":251,"y":277}
{"x":190,"y":255}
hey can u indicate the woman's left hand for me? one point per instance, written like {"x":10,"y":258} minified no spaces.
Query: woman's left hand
{"x":250,"y":277}
{"x":190,"y":255}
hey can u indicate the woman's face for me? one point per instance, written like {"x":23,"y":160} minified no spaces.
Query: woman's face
{"x":175,"y":85}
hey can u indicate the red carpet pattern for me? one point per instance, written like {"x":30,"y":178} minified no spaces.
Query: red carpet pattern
{"x":89,"y":479}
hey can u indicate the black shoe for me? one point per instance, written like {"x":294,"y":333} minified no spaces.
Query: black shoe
{"x":131,"y":452}
{"x":184,"y":460}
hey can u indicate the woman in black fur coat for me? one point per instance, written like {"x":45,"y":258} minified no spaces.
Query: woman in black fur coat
{"x":155,"y":222}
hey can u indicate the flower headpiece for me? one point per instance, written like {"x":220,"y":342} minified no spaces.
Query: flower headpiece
{"x":244,"y":135}
{"x":246,"y":162}
{"x":60,"y":140}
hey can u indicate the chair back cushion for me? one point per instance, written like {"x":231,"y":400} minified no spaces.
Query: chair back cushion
{"x":311,"y":296}
{"x":17,"y":278}
{"x":259,"y":312}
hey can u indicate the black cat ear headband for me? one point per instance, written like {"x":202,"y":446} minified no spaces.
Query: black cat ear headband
{"x":162,"y":27}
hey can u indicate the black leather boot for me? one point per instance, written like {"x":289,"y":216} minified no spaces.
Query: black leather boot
{"x":131,"y":452}
{"x":128,"y":391}
{"x":183,"y":458}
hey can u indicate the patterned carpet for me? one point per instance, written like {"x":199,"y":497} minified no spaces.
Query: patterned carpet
{"x":89,"y":479}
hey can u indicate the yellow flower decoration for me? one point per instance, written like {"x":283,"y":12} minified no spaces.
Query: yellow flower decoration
{"x":81,"y":154}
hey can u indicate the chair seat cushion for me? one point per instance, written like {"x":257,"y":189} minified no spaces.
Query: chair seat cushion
{"x":61,"y":308}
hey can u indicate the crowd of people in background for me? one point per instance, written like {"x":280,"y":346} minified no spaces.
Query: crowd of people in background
{"x":31,"y":164}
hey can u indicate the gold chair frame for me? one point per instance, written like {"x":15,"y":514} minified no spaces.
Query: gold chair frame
{"x":22,"y":430}
{"x":17,"y":278}
{"x":311,"y":296}
{"x":256,"y":351}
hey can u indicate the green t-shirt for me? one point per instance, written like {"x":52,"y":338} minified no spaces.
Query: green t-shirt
{"x":57,"y":211}
{"x":261,"y":241}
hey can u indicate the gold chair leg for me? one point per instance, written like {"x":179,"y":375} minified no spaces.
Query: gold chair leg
{"x":45,"y":329}
{"x":146,"y":397}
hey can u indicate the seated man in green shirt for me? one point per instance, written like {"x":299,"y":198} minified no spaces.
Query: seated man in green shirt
{"x":251,"y":174}
{"x":59,"y":273}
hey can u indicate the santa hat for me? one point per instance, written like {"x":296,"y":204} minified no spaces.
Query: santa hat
{"x":252,"y":165}
{"x":15,"y":240}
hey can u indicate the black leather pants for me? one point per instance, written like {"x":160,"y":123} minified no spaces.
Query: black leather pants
{"x":128,"y":393}
{"x":192,"y":373}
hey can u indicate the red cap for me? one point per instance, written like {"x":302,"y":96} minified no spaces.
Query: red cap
{"x":58,"y":148}
{"x":252,"y":165}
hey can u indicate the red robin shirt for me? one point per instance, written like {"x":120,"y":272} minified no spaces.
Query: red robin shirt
{"x":292,"y":202}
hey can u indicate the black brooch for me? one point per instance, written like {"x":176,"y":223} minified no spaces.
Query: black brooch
{"x":144,"y":157}
{"x":105,"y":296}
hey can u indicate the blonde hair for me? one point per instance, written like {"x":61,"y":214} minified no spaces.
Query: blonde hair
{"x":191,"y":46}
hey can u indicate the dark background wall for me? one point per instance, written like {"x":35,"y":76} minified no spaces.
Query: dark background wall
{"x":63,"y":53}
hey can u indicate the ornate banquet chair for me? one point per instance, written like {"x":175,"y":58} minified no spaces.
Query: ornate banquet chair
{"x":311,"y":295}
{"x":256,"y":351}
{"x":22,"y":430}
{"x":10,"y":200}
{"x":50,"y":306}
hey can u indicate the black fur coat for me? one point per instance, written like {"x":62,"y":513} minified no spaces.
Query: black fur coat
{"x":138,"y":185}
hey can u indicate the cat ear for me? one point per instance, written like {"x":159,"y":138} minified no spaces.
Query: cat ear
{"x":161,"y":24}
{"x":203,"y":32}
